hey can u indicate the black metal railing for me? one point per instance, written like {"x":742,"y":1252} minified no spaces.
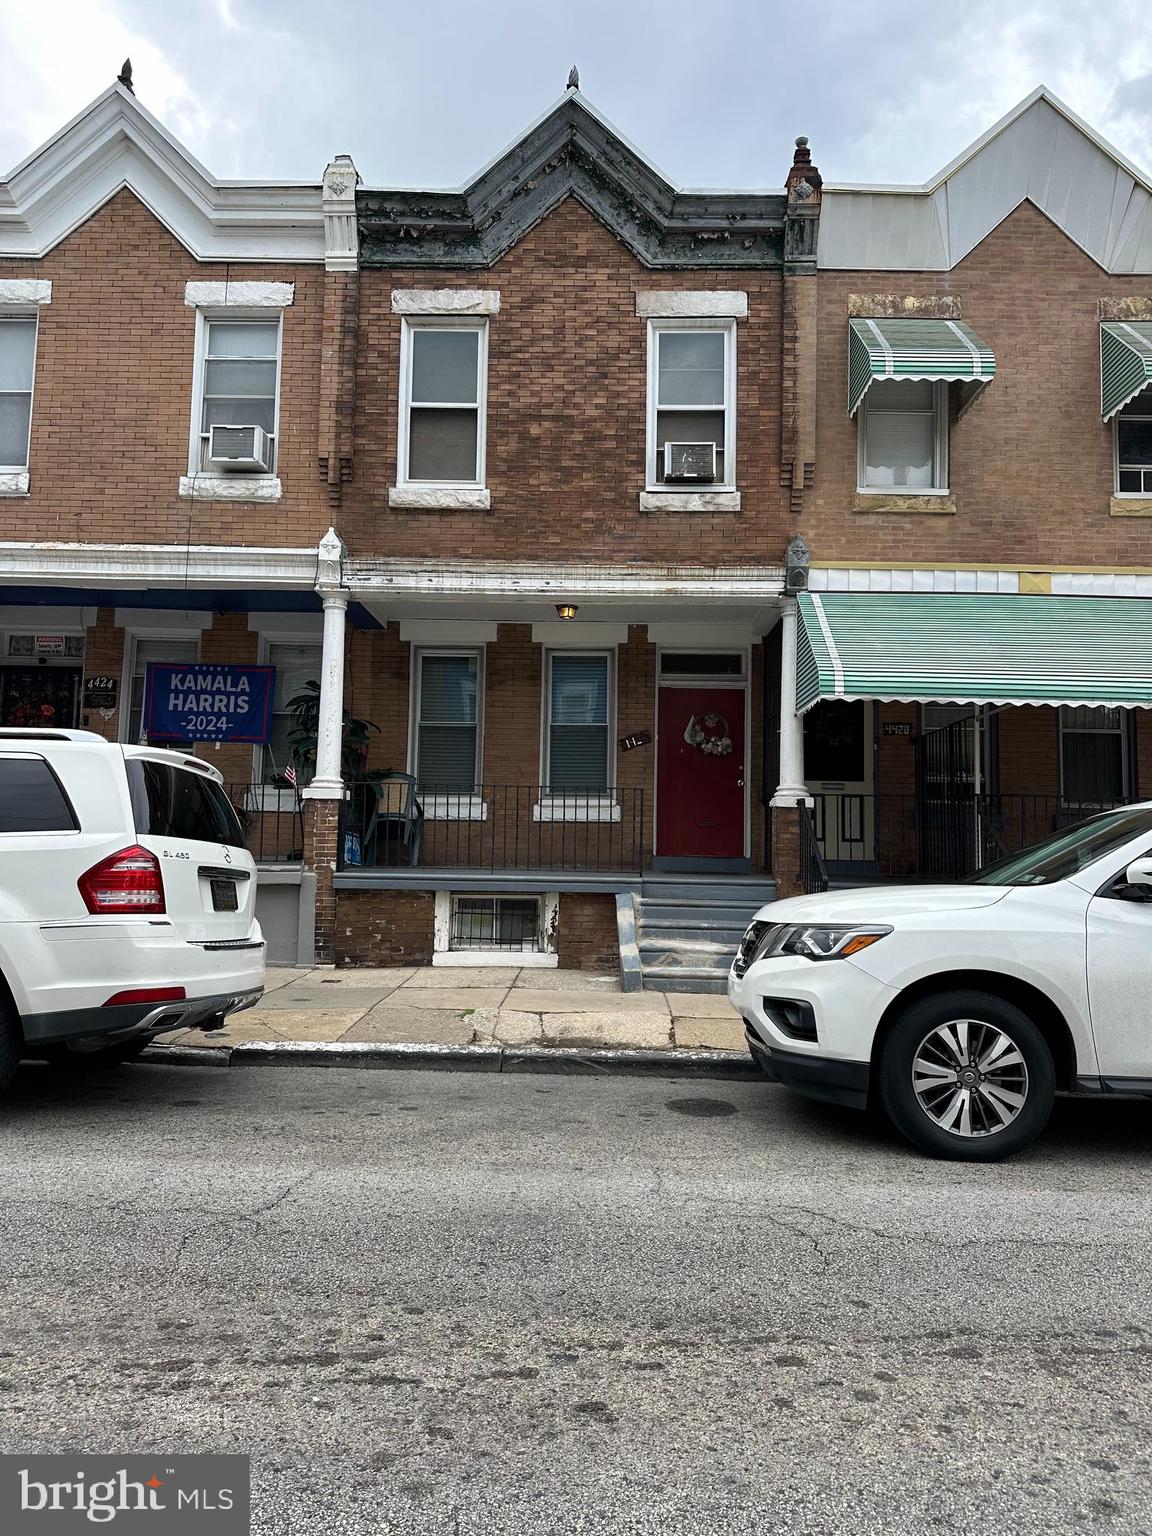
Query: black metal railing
{"x":272,"y":820}
{"x":934,"y":836}
{"x":392,"y":824}
{"x":813,"y":872}
{"x":509,"y":923}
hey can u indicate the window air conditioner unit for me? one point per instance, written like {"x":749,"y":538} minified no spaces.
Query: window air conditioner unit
{"x":689,"y":461}
{"x":239,"y":448}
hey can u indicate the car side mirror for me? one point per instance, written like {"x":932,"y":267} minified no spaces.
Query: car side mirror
{"x":1139,"y":872}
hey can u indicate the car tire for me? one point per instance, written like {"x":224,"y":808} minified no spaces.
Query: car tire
{"x":74,"y":1060}
{"x":9,"y":1041}
{"x":967,"y":1075}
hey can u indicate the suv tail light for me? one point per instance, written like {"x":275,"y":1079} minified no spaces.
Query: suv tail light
{"x":128,"y":881}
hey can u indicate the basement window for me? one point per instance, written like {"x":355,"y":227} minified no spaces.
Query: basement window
{"x":503,"y":923}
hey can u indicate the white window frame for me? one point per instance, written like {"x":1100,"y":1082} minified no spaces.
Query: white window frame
{"x":274,"y":797}
{"x":577,"y":805}
{"x":941,"y":410}
{"x":408,"y":330}
{"x":1142,"y":495}
{"x":17,"y":313}
{"x":205,"y":317}
{"x":726,"y":328}
{"x":447,"y":807}
{"x":1121,"y":730}
{"x":546,"y":958}
{"x":132,"y":638}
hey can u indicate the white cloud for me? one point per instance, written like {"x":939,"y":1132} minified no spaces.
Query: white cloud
{"x":59,"y":56}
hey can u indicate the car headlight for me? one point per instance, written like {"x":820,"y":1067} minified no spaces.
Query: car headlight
{"x":822,"y":941}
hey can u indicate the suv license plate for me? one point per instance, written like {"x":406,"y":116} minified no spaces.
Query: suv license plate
{"x":224,"y":896}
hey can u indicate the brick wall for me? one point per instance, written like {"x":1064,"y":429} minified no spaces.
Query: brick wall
{"x":1031,"y":461}
{"x":586,"y":937}
{"x":104,"y":657}
{"x":113,"y":402}
{"x":384,"y":927}
{"x":566,"y":412}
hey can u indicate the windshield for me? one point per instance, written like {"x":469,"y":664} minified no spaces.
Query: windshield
{"x":1066,"y":851}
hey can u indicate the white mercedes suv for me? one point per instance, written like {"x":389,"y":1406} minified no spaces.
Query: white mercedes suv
{"x":126,"y":898}
{"x":962,"y":1010}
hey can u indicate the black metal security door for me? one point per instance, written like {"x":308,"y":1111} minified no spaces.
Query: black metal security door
{"x":946,"y":797}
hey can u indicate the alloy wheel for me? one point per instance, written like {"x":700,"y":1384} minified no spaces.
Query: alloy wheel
{"x":970,"y":1078}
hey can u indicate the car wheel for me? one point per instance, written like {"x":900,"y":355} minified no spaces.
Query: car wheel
{"x":9,"y":1041}
{"x":81,"y":1058}
{"x":967,"y":1075}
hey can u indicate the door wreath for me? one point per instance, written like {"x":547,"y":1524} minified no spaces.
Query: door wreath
{"x":709,"y":734}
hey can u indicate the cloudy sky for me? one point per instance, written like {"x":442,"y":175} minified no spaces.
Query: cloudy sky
{"x":713,"y":91}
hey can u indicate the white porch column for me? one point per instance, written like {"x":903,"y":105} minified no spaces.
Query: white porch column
{"x":328,"y":783}
{"x":791,"y":786}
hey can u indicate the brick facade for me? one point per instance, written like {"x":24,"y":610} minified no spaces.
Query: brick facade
{"x":1030,"y":464}
{"x":567,"y":389}
{"x":586,"y":934}
{"x":113,"y":401}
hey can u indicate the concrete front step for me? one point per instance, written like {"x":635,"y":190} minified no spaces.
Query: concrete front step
{"x":710,"y":933}
{"x":728,"y":913}
{"x":750,"y":892}
{"x":681,"y":978}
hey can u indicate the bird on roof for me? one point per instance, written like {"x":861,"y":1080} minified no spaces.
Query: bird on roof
{"x":573,"y":79}
{"x":124,"y":78}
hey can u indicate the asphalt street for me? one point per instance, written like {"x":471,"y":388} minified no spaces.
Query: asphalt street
{"x":474,"y":1304}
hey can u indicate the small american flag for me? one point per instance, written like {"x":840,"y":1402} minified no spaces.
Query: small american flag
{"x":290,"y":775}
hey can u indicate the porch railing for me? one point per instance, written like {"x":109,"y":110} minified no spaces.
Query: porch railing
{"x":926,"y":837}
{"x":813,"y":873}
{"x":272,"y":821}
{"x":496,"y":827}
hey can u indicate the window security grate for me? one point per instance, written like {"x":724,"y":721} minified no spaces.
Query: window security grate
{"x":496,"y":922}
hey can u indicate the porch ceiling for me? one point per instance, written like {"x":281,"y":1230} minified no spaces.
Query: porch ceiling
{"x":527,"y":592}
{"x":971,"y":649}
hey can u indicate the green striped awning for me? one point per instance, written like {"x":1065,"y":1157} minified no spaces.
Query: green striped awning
{"x":967,"y":648}
{"x":917,"y":349}
{"x":1125,"y":363}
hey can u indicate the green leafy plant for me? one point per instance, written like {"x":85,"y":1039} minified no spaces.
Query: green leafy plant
{"x":304,"y":707}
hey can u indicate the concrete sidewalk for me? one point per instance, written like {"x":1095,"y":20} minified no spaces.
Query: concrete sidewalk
{"x":481,"y":1006}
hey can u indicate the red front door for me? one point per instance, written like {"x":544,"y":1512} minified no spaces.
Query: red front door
{"x":700,"y":773}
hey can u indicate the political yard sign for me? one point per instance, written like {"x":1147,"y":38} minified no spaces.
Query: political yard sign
{"x":184,"y":701}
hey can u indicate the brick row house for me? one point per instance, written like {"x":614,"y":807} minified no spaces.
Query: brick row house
{"x":663,"y":547}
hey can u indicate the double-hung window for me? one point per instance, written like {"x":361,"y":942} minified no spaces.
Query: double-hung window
{"x":239,"y":386}
{"x":1093,"y":755}
{"x":446,"y":719}
{"x":1134,"y":447}
{"x":143,"y":650}
{"x":296,"y":665}
{"x":577,"y":738}
{"x":691,"y":400}
{"x":904,"y":436}
{"x":442,"y":403}
{"x":17,"y":365}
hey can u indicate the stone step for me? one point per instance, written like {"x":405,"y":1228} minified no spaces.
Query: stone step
{"x":683,"y":979}
{"x":656,"y":931}
{"x":684,"y":951}
{"x":733,"y":914}
{"x":754,"y":892}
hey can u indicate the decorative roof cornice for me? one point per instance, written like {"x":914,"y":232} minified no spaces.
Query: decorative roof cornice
{"x":116,"y":143}
{"x":571,"y":151}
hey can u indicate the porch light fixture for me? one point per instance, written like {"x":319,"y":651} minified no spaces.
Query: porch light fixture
{"x":566,"y":610}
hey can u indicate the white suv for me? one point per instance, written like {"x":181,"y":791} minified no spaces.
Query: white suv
{"x":126,"y":898}
{"x":963,"y":1009}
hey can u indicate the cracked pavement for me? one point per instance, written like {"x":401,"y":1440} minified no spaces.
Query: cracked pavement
{"x":471,"y":1303}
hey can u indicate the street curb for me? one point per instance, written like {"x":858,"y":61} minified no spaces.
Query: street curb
{"x":569,"y":1061}
{"x":355,"y":1053}
{"x":621,"y":1062}
{"x":185,"y":1055}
